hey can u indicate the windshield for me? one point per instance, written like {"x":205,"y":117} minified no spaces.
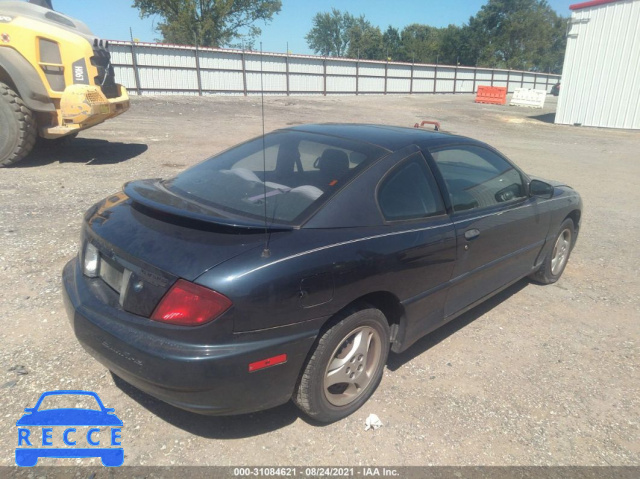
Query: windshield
{"x":297,"y":170}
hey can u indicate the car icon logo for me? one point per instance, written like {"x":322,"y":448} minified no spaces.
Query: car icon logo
{"x":78,"y":432}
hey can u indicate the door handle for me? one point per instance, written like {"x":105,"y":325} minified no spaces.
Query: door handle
{"x":471,"y":234}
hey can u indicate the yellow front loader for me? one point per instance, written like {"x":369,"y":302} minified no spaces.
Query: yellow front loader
{"x":56,"y":78}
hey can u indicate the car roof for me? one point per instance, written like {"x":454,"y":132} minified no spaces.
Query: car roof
{"x":392,"y":138}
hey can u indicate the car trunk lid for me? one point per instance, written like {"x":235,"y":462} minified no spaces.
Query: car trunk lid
{"x":146,"y":245}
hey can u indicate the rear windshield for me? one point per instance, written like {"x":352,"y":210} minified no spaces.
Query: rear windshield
{"x":297,"y":170}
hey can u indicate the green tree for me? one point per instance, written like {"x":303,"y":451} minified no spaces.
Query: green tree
{"x":515,"y":34}
{"x":365,"y":41}
{"x":392,"y":43}
{"x":519,"y":34}
{"x":552,"y":58}
{"x":451,"y":45}
{"x":329,"y":35}
{"x":420,"y":43}
{"x":211,"y":23}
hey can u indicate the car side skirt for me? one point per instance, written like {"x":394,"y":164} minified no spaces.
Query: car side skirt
{"x":409,"y":340}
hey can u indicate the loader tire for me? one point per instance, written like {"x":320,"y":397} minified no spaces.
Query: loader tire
{"x":18,"y":130}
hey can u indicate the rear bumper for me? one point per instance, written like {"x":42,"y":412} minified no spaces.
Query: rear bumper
{"x":203,"y":378}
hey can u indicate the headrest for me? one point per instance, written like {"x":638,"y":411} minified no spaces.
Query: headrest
{"x":334,"y":161}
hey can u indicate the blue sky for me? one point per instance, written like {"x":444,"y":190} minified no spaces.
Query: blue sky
{"x":111,"y":19}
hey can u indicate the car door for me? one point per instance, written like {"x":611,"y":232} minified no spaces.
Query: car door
{"x":499,"y":229}
{"x":411,"y":203}
{"x":387,"y":231}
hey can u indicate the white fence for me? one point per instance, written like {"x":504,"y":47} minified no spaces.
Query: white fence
{"x":155,"y":69}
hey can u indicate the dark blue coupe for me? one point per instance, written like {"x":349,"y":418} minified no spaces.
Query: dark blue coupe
{"x":289,"y":266}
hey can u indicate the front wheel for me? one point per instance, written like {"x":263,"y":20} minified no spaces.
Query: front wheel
{"x":17,"y":127}
{"x":345,"y":367}
{"x":555,"y":262}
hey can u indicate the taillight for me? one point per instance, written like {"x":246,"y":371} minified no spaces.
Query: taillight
{"x":188,"y":304}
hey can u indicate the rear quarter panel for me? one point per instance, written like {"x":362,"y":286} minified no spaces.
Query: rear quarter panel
{"x":268,"y":292}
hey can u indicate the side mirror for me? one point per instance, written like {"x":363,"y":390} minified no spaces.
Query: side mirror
{"x":540,"y":189}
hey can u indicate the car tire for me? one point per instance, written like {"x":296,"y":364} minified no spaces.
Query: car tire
{"x":353,"y":349}
{"x":18,"y":130}
{"x":555,"y":262}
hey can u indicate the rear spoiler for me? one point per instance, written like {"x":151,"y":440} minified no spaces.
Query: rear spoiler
{"x":151,"y":195}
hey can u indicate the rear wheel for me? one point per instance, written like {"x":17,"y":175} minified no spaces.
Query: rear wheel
{"x":17,"y":127}
{"x":555,"y":262}
{"x":346,"y":366}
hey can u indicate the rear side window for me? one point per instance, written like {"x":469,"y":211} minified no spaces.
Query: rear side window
{"x":477,"y":177}
{"x":410,"y":192}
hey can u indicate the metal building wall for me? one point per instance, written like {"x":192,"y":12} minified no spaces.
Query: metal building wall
{"x":601,"y":74}
{"x":155,"y":69}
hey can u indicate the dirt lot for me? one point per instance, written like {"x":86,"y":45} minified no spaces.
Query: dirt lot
{"x":537,"y":376}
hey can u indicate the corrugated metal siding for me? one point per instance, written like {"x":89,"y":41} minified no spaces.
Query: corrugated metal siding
{"x":171,"y":69}
{"x":221,"y":81}
{"x":304,"y":83}
{"x":484,"y":75}
{"x":341,"y":68}
{"x":501,"y":75}
{"x":601,"y":75}
{"x":398,"y":85}
{"x":271,"y":82}
{"x":269,"y":64}
{"x":371,"y":85}
{"x":372,"y":69}
{"x":446,"y":73}
{"x":399,"y":70}
{"x":158,"y":79}
{"x":126,"y":76}
{"x":422,"y":86}
{"x":421,"y":71}
{"x":465,"y":74}
{"x":464,"y":86}
{"x":444,"y":86}
{"x":297,"y":65}
{"x":341,"y":84}
{"x":515,"y":81}
{"x":220,"y":61}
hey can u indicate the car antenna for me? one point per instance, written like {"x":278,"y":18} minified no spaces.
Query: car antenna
{"x":266,"y":252}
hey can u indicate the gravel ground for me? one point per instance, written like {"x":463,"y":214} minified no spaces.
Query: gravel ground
{"x":539,"y":375}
